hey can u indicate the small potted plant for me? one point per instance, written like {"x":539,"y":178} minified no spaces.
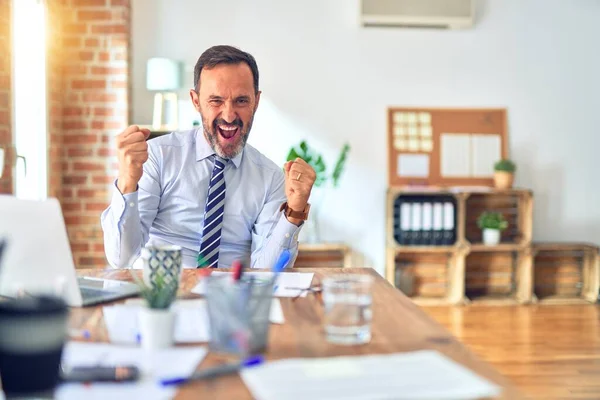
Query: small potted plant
{"x":157,"y":319}
{"x":504,"y":174}
{"x":492,"y":223}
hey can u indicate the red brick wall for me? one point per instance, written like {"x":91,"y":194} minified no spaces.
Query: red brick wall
{"x":6,"y":184}
{"x":89,"y":97}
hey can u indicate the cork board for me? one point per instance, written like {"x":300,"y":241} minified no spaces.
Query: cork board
{"x":445,"y":147}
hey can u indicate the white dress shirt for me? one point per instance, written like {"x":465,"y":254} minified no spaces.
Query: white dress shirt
{"x":168,"y":207}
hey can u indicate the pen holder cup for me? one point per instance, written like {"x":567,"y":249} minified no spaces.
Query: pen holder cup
{"x":238,"y":314}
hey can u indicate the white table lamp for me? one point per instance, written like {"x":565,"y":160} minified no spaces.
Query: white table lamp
{"x":163,"y":76}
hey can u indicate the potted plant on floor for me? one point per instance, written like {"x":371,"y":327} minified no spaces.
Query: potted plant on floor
{"x":157,"y":319}
{"x":504,"y":174}
{"x":315,"y":160}
{"x":492,"y":223}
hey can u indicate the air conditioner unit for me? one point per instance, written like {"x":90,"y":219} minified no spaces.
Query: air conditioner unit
{"x":441,"y":14}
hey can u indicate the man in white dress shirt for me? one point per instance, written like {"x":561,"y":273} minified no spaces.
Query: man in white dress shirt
{"x":206,"y":190}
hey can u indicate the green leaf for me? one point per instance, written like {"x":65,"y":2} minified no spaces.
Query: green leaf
{"x":160,"y":295}
{"x":304,"y":147}
{"x":319,"y":165}
{"x":340,"y":164}
{"x":292,"y":155}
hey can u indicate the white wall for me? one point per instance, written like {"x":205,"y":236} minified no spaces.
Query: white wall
{"x":327,"y":80}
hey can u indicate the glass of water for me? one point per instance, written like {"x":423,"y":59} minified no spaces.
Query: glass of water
{"x":347,"y":299}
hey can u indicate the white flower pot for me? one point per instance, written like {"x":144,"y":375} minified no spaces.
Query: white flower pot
{"x":157,"y":328}
{"x":491,"y":237}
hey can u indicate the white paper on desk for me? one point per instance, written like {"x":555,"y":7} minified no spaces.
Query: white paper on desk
{"x":154,"y":366}
{"x":191,"y":320}
{"x":299,"y":280}
{"x":418,"y":375}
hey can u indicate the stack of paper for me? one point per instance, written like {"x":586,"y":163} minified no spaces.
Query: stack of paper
{"x":154,"y":366}
{"x":419,"y":375}
{"x":191,"y":321}
{"x":288,"y":284}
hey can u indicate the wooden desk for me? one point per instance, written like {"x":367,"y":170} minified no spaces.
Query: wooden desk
{"x":398,"y":326}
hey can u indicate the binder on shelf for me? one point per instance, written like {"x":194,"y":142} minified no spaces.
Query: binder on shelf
{"x":438,"y":224}
{"x":427,"y":233}
{"x":405,"y":213}
{"x":416,"y":223}
{"x":449,"y":231}
{"x":396,"y":223}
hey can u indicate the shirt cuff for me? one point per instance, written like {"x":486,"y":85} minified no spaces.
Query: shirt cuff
{"x":123,"y":203}
{"x":286,"y":232}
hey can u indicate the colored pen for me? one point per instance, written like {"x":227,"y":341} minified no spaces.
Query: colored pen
{"x":79,"y":333}
{"x":100,"y":373}
{"x":215,"y":371}
{"x":237,"y":270}
{"x":203,"y":272}
{"x":280,"y":265}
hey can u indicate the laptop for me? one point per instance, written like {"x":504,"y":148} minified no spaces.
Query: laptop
{"x":37,"y":256}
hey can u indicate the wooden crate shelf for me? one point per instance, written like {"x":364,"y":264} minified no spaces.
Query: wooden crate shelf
{"x":422,"y":275}
{"x":516,"y":271}
{"x":500,"y":275}
{"x":465,"y":271}
{"x":515,"y":205}
{"x":500,"y":247}
{"x":565,"y":273}
{"x":424,"y":249}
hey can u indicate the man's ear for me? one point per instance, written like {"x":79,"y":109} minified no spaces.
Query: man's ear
{"x":257,"y":100}
{"x":195,"y":99}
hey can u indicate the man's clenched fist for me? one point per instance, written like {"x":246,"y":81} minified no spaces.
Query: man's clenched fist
{"x":299,"y":180}
{"x":132,"y":151}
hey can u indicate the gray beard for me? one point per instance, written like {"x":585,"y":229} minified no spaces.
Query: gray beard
{"x":214,"y":143}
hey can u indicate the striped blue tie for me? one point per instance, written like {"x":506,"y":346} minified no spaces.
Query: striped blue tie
{"x":213,"y":217}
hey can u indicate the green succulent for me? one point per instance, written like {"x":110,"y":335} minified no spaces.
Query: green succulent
{"x":161,"y":294}
{"x":315,"y":160}
{"x":505,"y":165}
{"x":492,"y":220}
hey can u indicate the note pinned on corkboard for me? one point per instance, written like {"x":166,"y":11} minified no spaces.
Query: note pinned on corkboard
{"x":445,"y":147}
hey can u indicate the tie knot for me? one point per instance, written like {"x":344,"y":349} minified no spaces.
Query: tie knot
{"x":220,"y":162}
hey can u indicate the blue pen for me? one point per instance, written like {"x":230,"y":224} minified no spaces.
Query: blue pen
{"x":215,"y":371}
{"x":284,"y":259}
{"x":80,"y":333}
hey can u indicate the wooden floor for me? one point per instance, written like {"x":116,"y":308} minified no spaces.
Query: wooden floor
{"x":548,"y":352}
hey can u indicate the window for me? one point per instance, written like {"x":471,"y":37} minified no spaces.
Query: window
{"x":29,"y":98}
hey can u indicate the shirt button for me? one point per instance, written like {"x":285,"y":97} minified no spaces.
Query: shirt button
{"x":295,"y":237}
{"x":131,"y":204}
{"x":287,"y":235}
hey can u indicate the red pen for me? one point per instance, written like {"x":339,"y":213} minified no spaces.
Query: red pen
{"x":203,"y":272}
{"x":237,"y":270}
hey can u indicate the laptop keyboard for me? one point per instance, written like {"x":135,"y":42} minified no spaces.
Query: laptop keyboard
{"x":88,"y":293}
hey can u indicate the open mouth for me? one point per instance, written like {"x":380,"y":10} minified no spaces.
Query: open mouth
{"x":228,"y":132}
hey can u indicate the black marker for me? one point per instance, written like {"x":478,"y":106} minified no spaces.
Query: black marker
{"x":96,"y":373}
